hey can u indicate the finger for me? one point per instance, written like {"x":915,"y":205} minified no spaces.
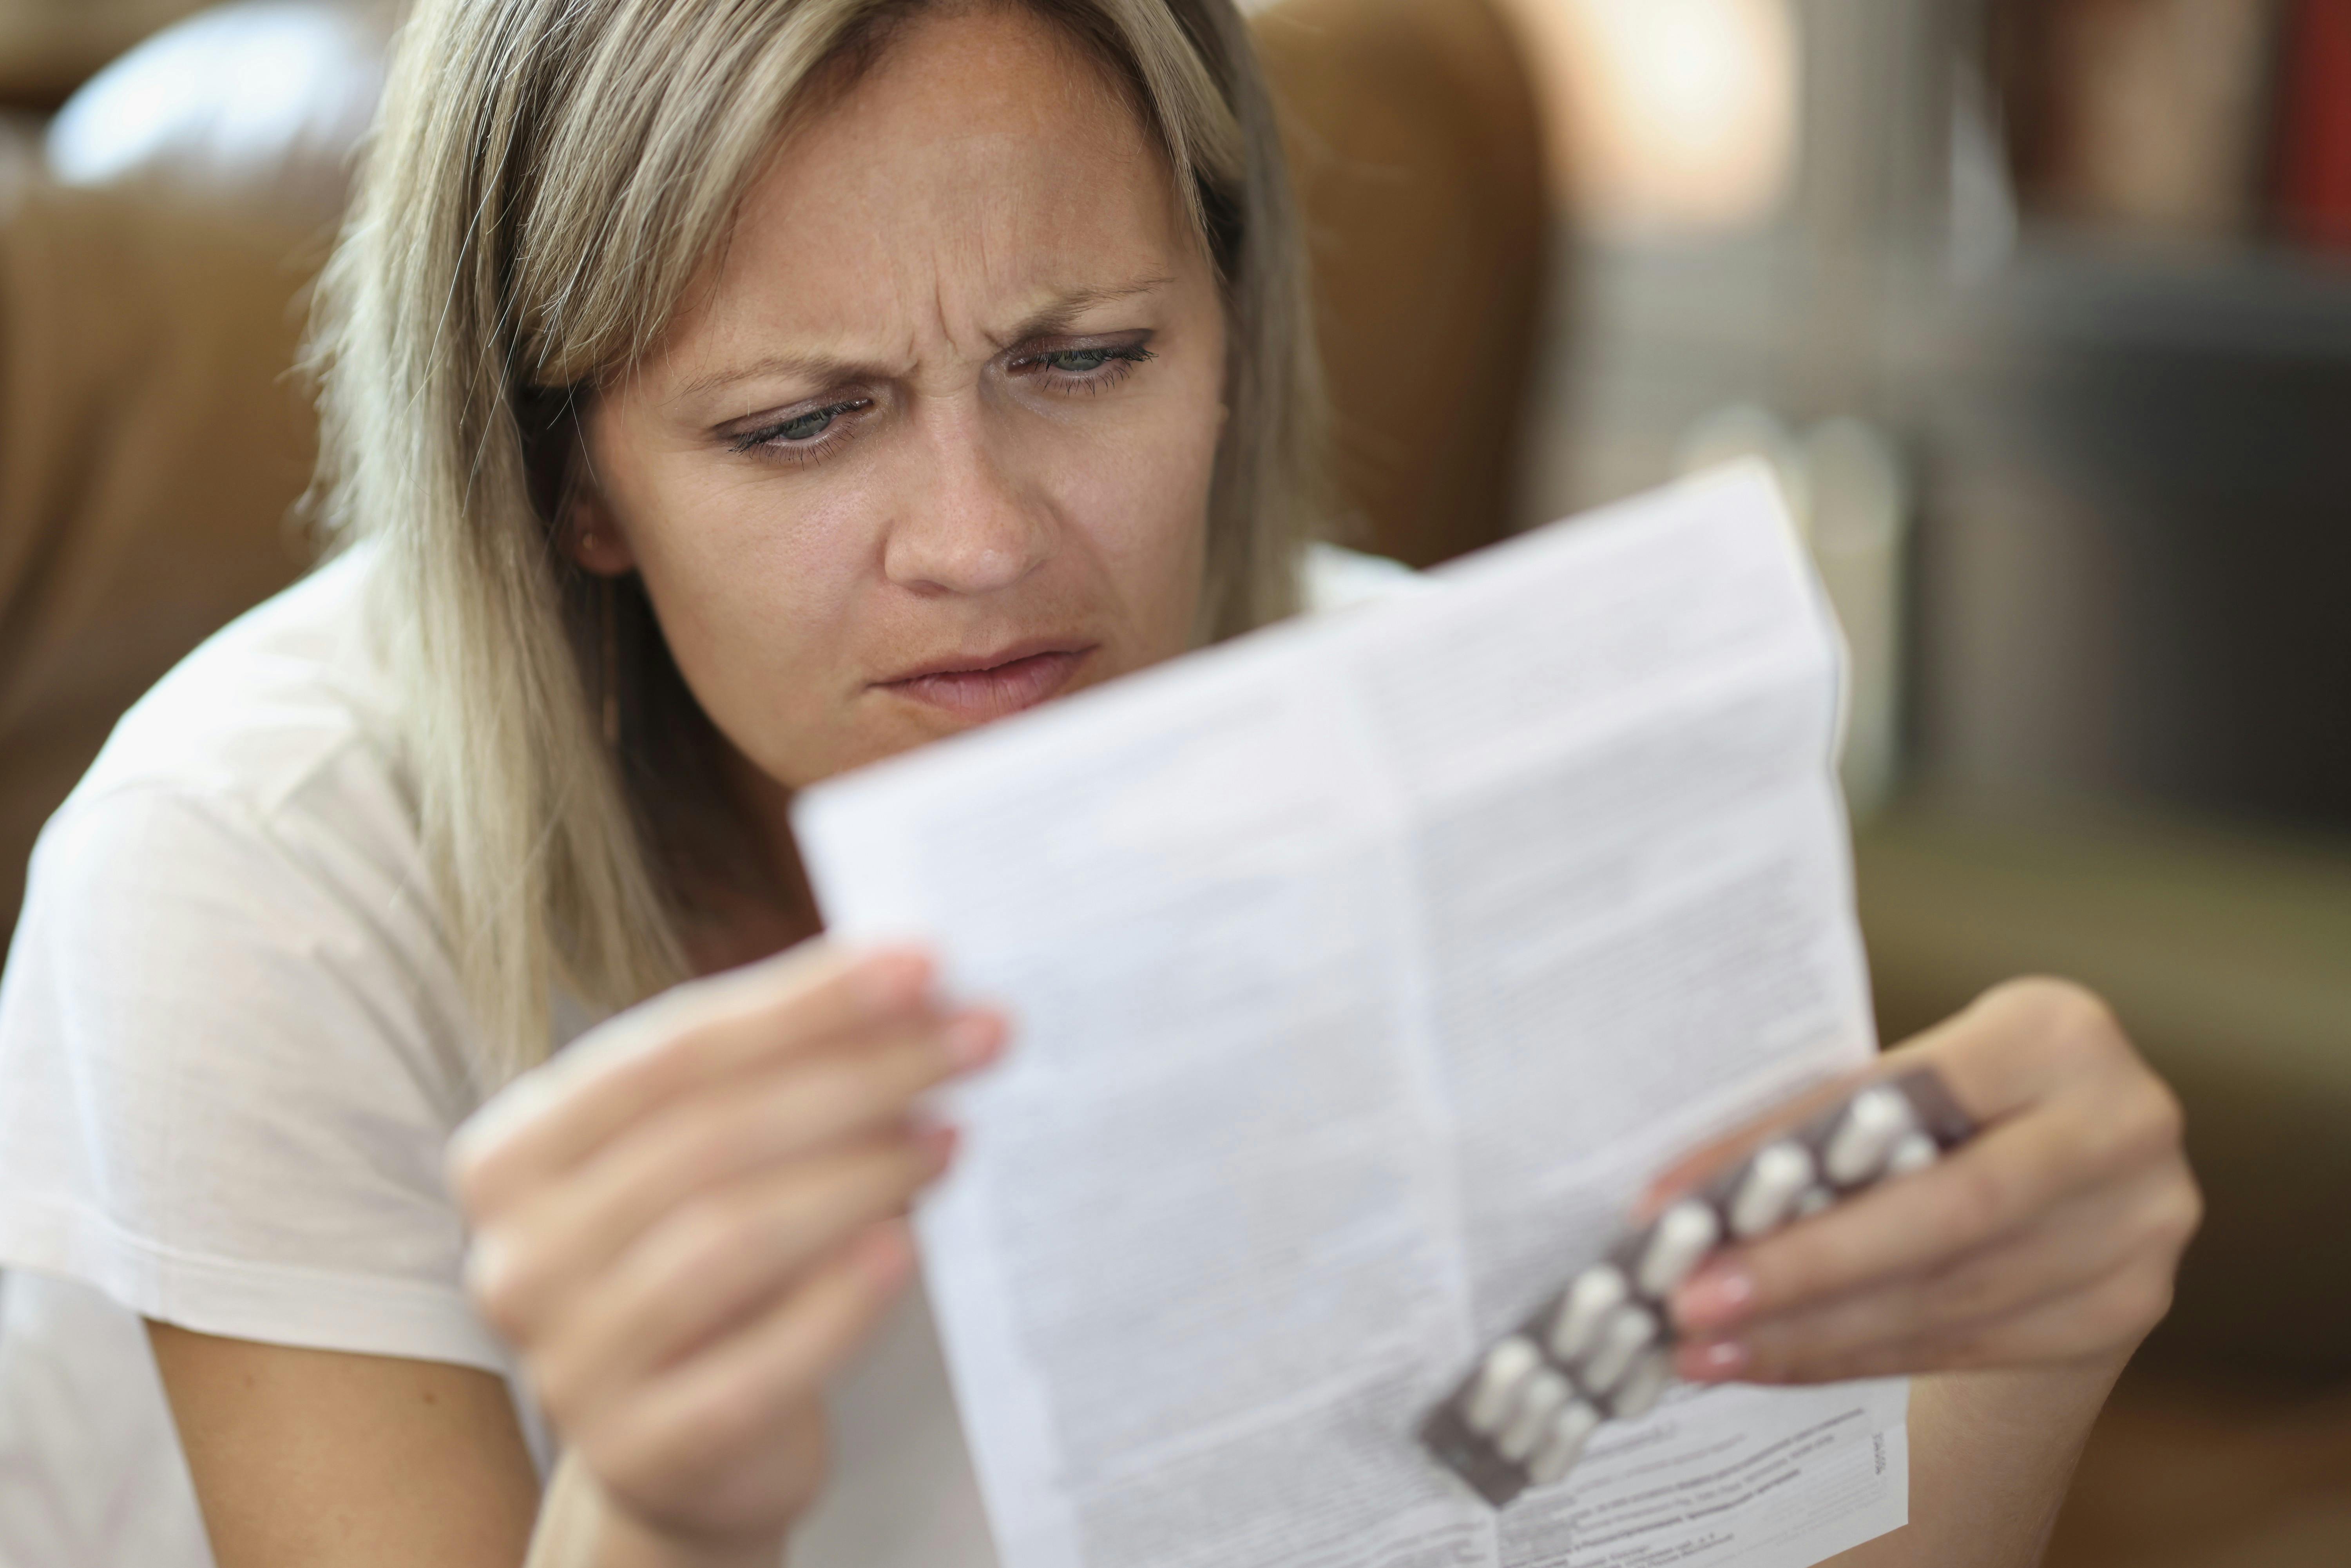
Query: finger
{"x":2082,"y":1241}
{"x":539,"y":1257}
{"x":2019,"y":1043}
{"x":694,"y":1035}
{"x":2099,"y":1121}
{"x":1987,"y":1189}
{"x":1701,"y":1165}
{"x":2005,"y":1052}
{"x":2105,"y":1319}
{"x":722,"y":1259}
{"x":691,"y":1418}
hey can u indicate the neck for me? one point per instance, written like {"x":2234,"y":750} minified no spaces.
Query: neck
{"x":739,"y":919}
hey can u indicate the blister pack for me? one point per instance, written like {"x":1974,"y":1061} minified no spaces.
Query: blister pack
{"x":1601,"y":1350}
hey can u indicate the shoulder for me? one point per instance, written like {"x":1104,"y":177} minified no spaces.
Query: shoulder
{"x":237,"y":886}
{"x":243,"y":858}
{"x":230,"y":1021}
{"x":257,"y":793}
{"x":256,"y":713}
{"x":1337,"y":579}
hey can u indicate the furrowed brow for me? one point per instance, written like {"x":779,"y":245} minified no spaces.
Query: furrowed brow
{"x":816,"y":370}
{"x":1071,"y":304}
{"x":822,"y":370}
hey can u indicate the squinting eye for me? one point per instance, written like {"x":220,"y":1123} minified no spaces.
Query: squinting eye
{"x":806,"y":426}
{"x":1091,"y":369}
{"x":800,"y":430}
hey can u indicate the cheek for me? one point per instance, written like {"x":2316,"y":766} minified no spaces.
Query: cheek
{"x":1140,"y":502}
{"x":751,"y":595}
{"x":739,"y":549}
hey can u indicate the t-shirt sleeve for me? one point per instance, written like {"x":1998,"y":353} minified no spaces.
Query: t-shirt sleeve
{"x":230,"y":1058}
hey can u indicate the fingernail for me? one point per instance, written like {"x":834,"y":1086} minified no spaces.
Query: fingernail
{"x":1713,"y":1297}
{"x":886,"y":1256}
{"x":891,"y":982}
{"x":974,"y":1039}
{"x":1717,"y":1361}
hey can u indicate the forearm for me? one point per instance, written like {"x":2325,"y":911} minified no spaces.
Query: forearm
{"x":1992,"y":1456}
{"x":578,"y":1530}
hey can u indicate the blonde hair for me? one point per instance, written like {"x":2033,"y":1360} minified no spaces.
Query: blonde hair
{"x":548,"y":179}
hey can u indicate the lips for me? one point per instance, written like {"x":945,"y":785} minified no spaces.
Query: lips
{"x":992,"y":686}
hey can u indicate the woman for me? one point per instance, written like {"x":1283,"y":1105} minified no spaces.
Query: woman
{"x":720,"y":395}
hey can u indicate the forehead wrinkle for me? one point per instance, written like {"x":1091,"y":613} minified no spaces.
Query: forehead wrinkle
{"x":821,"y":368}
{"x":1009,"y":216}
{"x":962,"y":263}
{"x":1066,"y":305}
{"x":1057,"y":313}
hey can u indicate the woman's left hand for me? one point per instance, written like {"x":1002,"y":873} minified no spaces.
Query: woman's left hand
{"x":2051,"y":1239}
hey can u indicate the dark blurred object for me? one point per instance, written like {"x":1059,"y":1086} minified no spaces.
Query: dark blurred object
{"x":1419,"y":157}
{"x":152,"y":440}
{"x":2139,"y":526}
{"x":2183,"y":1474}
{"x":2314,"y":138}
{"x":2142,"y":112}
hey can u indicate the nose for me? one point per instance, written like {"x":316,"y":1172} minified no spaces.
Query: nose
{"x":966,"y":527}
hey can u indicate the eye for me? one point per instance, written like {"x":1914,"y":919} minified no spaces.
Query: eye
{"x":804,"y":426}
{"x":801,"y":434}
{"x":1093,"y":367}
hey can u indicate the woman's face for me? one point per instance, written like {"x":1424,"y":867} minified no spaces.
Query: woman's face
{"x":935,"y":443}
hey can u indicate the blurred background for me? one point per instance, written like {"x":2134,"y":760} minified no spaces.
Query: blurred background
{"x":2042,"y":308}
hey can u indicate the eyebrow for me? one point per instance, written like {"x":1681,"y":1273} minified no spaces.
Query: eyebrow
{"x":823,"y":370}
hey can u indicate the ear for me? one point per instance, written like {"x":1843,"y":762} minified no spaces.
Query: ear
{"x":589,"y":535}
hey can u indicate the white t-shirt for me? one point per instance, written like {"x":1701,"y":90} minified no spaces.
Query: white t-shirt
{"x":232,"y":1048}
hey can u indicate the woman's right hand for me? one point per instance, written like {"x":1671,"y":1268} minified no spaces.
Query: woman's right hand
{"x":687,"y":1221}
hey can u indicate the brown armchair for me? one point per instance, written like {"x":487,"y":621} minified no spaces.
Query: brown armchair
{"x":151,"y":444}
